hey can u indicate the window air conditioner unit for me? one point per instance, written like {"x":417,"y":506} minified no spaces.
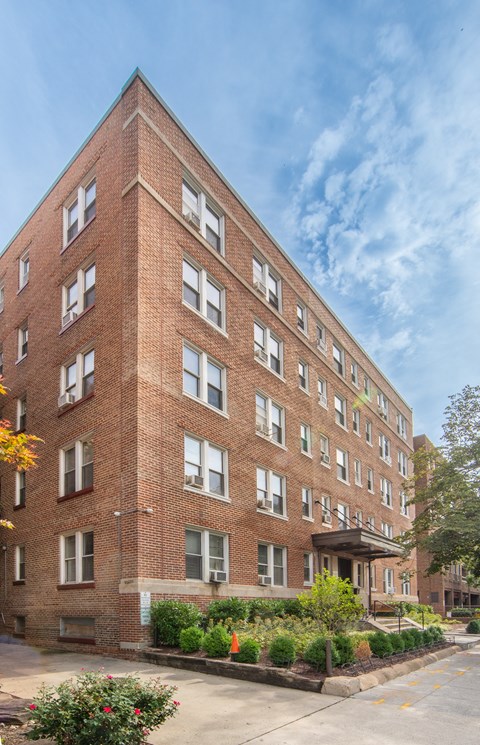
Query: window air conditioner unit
{"x":382,"y":412}
{"x":196,"y":481}
{"x":193,"y":219}
{"x":263,"y":579}
{"x":326,"y":518}
{"x":261,"y":354}
{"x":322,"y":399}
{"x":321,"y":345}
{"x":66,"y":400}
{"x":217,"y":576}
{"x":263,"y":429}
{"x":391,"y":591}
{"x":388,"y":460}
{"x":325,"y":458}
{"x":260,"y":287}
{"x":69,"y":317}
{"x":265,"y":504}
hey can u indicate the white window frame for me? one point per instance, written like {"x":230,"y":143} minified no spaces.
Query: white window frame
{"x":321,"y":337}
{"x":205,"y":556}
{"x":265,"y":421}
{"x":307,"y":503}
{"x":23,"y":270}
{"x":357,"y":471}
{"x":367,"y":387}
{"x":368,"y":432}
{"x":358,"y":518}
{"x":266,"y":348}
{"x":370,"y":523}
{"x":263,"y":277}
{"x":340,"y":405}
{"x":204,"y":205}
{"x":402,"y":426}
{"x":356,"y":427}
{"x":80,"y":375}
{"x":304,"y":376}
{"x":403,"y":503}
{"x":406,"y":584}
{"x":386,"y":492}
{"x":322,"y":392}
{"x":79,"y":465}
{"x":359,"y":574}
{"x":270,"y":563}
{"x":204,"y":280}
{"x":2,"y":296}
{"x":402,"y":463}
{"x":354,"y":373}
{"x":267,"y":493}
{"x":81,"y":305}
{"x":342,"y":466}
{"x":21,"y":418}
{"x":308,"y":568}
{"x":305,"y":439}
{"x":302,"y":318}
{"x":385,"y":449}
{"x":370,"y":481}
{"x":78,"y":558}
{"x":79,"y":196}
{"x":388,"y":579}
{"x":22,"y":345}
{"x":324,"y":450}
{"x":20,"y":564}
{"x":382,"y":402}
{"x":204,"y":468}
{"x":343,"y":515}
{"x":387,"y":530}
{"x":326,"y":504}
{"x":203,"y":382}
{"x":20,"y":488}
{"x":338,"y":354}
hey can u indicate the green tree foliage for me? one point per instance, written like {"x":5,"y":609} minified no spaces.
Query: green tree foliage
{"x":332,"y":603}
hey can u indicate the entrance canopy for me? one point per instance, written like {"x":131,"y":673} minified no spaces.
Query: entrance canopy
{"x":358,"y":542}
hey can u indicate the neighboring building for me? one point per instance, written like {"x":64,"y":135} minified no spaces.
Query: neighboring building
{"x":211,"y":428}
{"x":442,"y":591}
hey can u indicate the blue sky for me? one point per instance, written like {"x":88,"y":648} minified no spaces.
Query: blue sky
{"x":351,"y":128}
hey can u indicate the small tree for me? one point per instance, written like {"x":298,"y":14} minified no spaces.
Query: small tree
{"x":332,"y":603}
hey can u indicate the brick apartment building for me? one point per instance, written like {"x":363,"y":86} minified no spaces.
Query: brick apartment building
{"x":210,"y":427}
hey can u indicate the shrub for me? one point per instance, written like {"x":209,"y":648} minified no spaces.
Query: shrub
{"x":380,"y":644}
{"x":217,"y":642}
{"x":473,"y":626}
{"x":332,"y":602}
{"x":191,"y":639}
{"x":462,"y":612}
{"x":398,"y":644}
{"x":417,"y":637}
{"x":428,"y":637}
{"x":436,"y":632}
{"x":407,"y":639}
{"x":363,"y":651}
{"x":265,"y":608}
{"x":249,"y":651}
{"x":170,"y":617}
{"x":233,"y":609}
{"x":344,"y":647}
{"x":315,"y":654}
{"x":282,"y":651}
{"x":293,"y":607}
{"x":97,"y":708}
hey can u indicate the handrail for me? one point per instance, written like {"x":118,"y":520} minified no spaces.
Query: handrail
{"x":398,"y":611}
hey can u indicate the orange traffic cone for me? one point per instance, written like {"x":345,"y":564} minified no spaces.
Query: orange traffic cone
{"x":234,"y":649}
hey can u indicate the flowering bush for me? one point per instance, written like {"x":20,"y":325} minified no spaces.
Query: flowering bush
{"x":98,"y":708}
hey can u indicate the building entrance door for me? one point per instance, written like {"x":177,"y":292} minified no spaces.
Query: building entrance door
{"x":345,"y":568}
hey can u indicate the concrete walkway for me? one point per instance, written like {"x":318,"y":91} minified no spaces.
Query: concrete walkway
{"x":439,"y":701}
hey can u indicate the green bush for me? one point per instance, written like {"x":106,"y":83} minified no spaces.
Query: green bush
{"x":473,"y":626}
{"x":98,"y":708}
{"x":345,"y":649}
{"x":282,"y":651}
{"x":417,"y":637}
{"x":436,"y":632}
{"x":170,"y":617}
{"x":380,"y":644}
{"x":265,"y":608}
{"x":407,"y":639}
{"x":249,"y":652}
{"x":462,"y":612}
{"x":217,"y":642}
{"x":398,"y":644}
{"x":234,"y":609}
{"x":428,"y":637}
{"x":293,"y":607}
{"x":191,"y":639}
{"x":315,"y":654}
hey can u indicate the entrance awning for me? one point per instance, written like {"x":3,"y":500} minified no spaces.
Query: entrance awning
{"x":357,"y":542}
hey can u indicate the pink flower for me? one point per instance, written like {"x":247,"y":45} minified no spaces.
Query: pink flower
{"x":176,"y":703}
{"x":32,"y":707}
{"x":107,"y":709}
{"x":137,"y":712}
{"x":110,"y":677}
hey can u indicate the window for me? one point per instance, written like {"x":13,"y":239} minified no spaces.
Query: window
{"x":22,"y":341}
{"x":368,"y":431}
{"x":20,"y":488}
{"x":371,"y":523}
{"x":79,"y":210}
{"x":272,"y":563}
{"x":78,"y":293}
{"x":322,"y":392}
{"x":358,"y":472}
{"x":80,"y":627}
{"x":307,"y":509}
{"x":271,"y":492}
{"x":406,"y":585}
{"x":324,"y":450}
{"x":354,"y":372}
{"x":382,"y":402}
{"x":2,"y":296}
{"x":77,"y":378}
{"x":359,"y":518}
{"x":388,"y":587}
{"x":302,"y":317}
{"x":358,"y":581}
{"x":205,"y":466}
{"x":326,"y":509}
{"x":23,"y":270}
{"x":203,"y":378}
{"x":20,"y":625}
{"x":202,"y":293}
{"x":76,"y":557}
{"x":19,"y":564}
{"x":1,"y":361}
{"x":305,"y":439}
{"x":343,"y":516}
{"x":338,"y":358}
{"x":387,"y":530}
{"x":403,"y":503}
{"x":266,"y":281}
{"x":370,"y":480}
{"x":367,"y":387}
{"x":267,"y":348}
{"x":303,"y":375}
{"x":206,"y":552}
{"x":308,"y":569}
{"x":402,"y":426}
{"x":356,"y":421}
{"x":342,"y":465}
{"x":76,"y":463}
{"x":340,"y":408}
{"x":21,"y":414}
{"x":402,"y":463}
{"x":321,"y":337}
{"x":386,"y":492}
{"x":384,"y":449}
{"x":200,"y":212}
{"x":269,"y":419}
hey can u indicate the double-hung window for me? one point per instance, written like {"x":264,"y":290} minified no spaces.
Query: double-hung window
{"x":382,"y":402}
{"x":305,"y":439}
{"x":206,"y":555}
{"x":359,"y":518}
{"x":387,"y":530}
{"x":367,"y":387}
{"x":370,"y":480}
{"x":403,"y":503}
{"x":342,"y":465}
{"x":302,"y":318}
{"x":371,"y":524}
{"x":20,"y":564}
{"x":406,"y":589}
{"x":343,"y":514}
{"x":204,"y":378}
{"x":271,"y":492}
{"x":402,"y":463}
{"x":358,"y":472}
{"x":267,"y":348}
{"x":22,"y":350}
{"x":205,"y":466}
{"x":303,"y":375}
{"x":324,"y":450}
{"x":354,"y":372}
{"x":269,"y":419}
{"x":204,"y":294}
{"x":266,"y":281}
{"x":23,"y":270}
{"x":76,"y":557}
{"x":402,"y":426}
{"x":272,"y":564}
{"x":79,"y":209}
{"x":77,"y":378}
{"x":307,"y":503}
{"x":368,"y":432}
{"x":20,"y":489}
{"x":76,"y":467}
{"x":1,"y":360}
{"x":200,"y":212}
{"x":78,"y":293}
{"x":356,"y":421}
{"x":321,"y":337}
{"x":22,"y":414}
{"x":384,"y":449}
{"x":340,"y":409}
{"x":308,"y":569}
{"x":386,"y":492}
{"x":338,"y":358}
{"x":322,"y":392}
{"x":2,"y":296}
{"x":326,"y":503}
